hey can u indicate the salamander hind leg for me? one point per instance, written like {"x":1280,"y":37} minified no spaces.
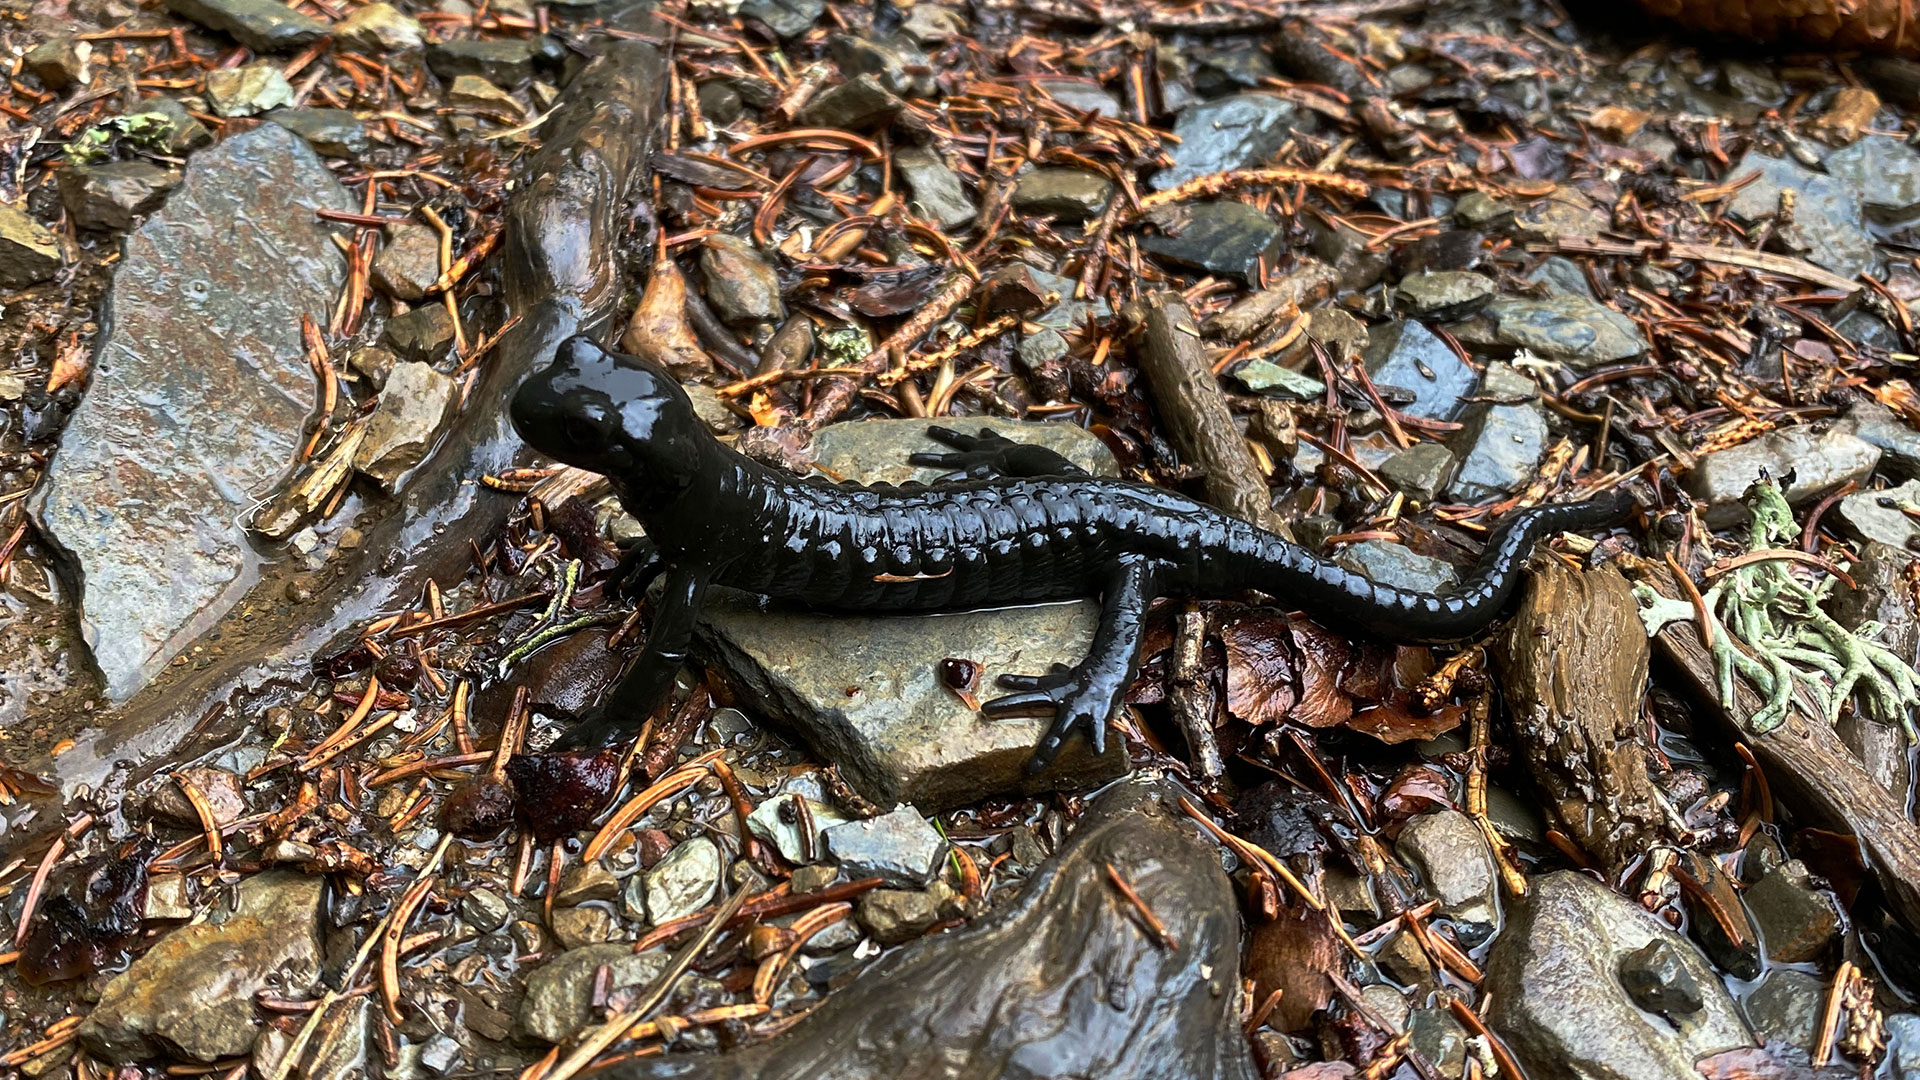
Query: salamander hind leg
{"x":1082,"y":697}
{"x":988,"y":454}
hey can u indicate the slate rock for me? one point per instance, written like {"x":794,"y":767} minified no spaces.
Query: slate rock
{"x":61,"y":63}
{"x":1068,"y":194}
{"x":1406,"y":354}
{"x":1583,"y":333}
{"x":896,"y":916}
{"x":775,"y":821}
{"x":423,"y":334}
{"x":1219,"y":237}
{"x":899,"y":846}
{"x":896,"y":61}
{"x":485,"y":910}
{"x":740,"y":281}
{"x":1060,"y":984}
{"x":1655,"y":976}
{"x":1561,"y":276}
{"x":1265,"y":376}
{"x":191,"y":994}
{"x":1236,"y":132}
{"x":1080,"y":95}
{"x":1348,"y":251}
{"x":409,"y":262}
{"x":1479,"y":210}
{"x":1885,"y":173}
{"x":1443,"y":294}
{"x":1451,"y":856}
{"x":1420,"y":471}
{"x":1563,"y":213}
{"x":504,"y":62}
{"x":1501,"y":444}
{"x":865,"y":691}
{"x":1558,"y":1003}
{"x":1797,"y":923}
{"x":855,"y":105}
{"x":1818,"y":461}
{"x":1440,"y":1039}
{"x":264,"y":26}
{"x":199,"y":393}
{"x":938,"y":192}
{"x":1876,"y":515}
{"x":1877,"y":425}
{"x":380,"y":27}
{"x":576,"y":927}
{"x":1398,"y":565}
{"x":247,"y":91}
{"x":1828,"y":217}
{"x":111,"y":195}
{"x":1787,"y":1006}
{"x":786,"y":18}
{"x":559,"y":997}
{"x":333,"y":132}
{"x":180,"y":132}
{"x":1903,"y":1046}
{"x":406,"y":423}
{"x":476,"y":92}
{"x":931,"y":24}
{"x":684,"y":880}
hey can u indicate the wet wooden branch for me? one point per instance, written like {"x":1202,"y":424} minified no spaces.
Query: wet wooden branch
{"x":1190,"y":401}
{"x":1806,"y":762}
{"x":1573,"y":663}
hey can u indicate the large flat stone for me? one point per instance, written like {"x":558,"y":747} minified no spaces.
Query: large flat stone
{"x":199,"y":392}
{"x":1817,"y":461}
{"x":1558,"y":1001}
{"x":865,"y":691}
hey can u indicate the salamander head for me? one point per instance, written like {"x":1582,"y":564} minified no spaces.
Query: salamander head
{"x":613,"y":414}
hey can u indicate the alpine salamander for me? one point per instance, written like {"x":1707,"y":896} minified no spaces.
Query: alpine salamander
{"x":1016,"y":524}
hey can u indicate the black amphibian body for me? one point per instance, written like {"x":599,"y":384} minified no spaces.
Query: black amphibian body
{"x":1015,"y":524}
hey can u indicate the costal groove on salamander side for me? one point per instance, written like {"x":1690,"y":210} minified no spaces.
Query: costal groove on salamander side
{"x":718,"y":518}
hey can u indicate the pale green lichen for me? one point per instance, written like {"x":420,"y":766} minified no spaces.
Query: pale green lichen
{"x":1770,"y":627}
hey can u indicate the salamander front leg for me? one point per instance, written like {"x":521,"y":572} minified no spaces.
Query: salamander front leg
{"x":979,"y":457}
{"x":621,"y":714}
{"x":1082,"y":697}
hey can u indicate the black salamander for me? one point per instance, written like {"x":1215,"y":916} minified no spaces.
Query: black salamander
{"x":1016,"y":524}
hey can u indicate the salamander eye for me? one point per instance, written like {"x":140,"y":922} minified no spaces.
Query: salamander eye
{"x":582,"y":432}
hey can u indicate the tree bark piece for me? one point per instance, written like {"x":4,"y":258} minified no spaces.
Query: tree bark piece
{"x":1573,"y":663}
{"x":1190,"y":401}
{"x":1809,"y":768}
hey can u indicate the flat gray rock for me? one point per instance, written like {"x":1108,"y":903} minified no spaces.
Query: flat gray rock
{"x":1398,"y":565}
{"x":1558,"y":1001}
{"x":261,"y":25}
{"x":1899,"y":444}
{"x":1223,"y":237}
{"x":938,"y":192}
{"x":199,"y":392}
{"x":1573,"y":329}
{"x":1876,"y":515}
{"x":899,"y":846}
{"x":192,"y":993}
{"x":1828,"y":218}
{"x":1502,"y":442}
{"x":1818,"y":461}
{"x":1885,"y":173}
{"x":1235,"y":132}
{"x":1407,"y":355}
{"x":865,"y":691}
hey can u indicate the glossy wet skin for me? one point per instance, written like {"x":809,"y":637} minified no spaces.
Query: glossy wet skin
{"x":1024,"y":526}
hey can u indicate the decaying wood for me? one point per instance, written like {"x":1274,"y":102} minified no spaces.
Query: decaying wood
{"x":1194,"y":409}
{"x":1190,"y":694}
{"x":1806,"y":761}
{"x":1874,"y":25}
{"x":1573,"y":663}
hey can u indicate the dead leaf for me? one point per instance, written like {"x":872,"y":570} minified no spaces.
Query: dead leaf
{"x":1323,"y":657}
{"x":1293,"y":954}
{"x":1260,"y":666}
{"x":1395,"y":721}
{"x":658,"y":330}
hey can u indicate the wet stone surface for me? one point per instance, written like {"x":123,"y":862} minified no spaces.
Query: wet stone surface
{"x":1398,"y":565}
{"x":111,"y":195}
{"x":1877,"y":515}
{"x":1077,"y":989}
{"x":29,"y":251}
{"x":1571,"y":934}
{"x":865,"y":692}
{"x":192,"y":992}
{"x":198,"y":396}
{"x":261,"y":25}
{"x":938,"y":193}
{"x":333,"y":132}
{"x":1829,"y":222}
{"x":1443,"y":294}
{"x":1885,"y":173}
{"x":1218,"y":237}
{"x":1817,"y":462}
{"x":1501,"y":443}
{"x":1580,"y":332}
{"x":1237,"y":132}
{"x":899,"y":846}
{"x":1407,"y":355}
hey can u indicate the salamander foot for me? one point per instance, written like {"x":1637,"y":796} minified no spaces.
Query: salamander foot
{"x":1070,"y":694}
{"x":989,"y":454}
